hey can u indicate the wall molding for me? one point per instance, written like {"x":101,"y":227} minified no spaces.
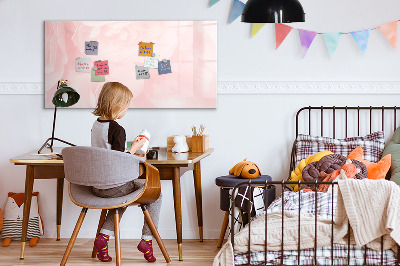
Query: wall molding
{"x":21,"y":88}
{"x":259,"y":87}
{"x":309,"y":87}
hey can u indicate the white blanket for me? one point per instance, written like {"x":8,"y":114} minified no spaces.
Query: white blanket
{"x":371,"y":206}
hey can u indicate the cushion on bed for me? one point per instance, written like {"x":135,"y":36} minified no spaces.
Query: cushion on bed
{"x":328,"y":164}
{"x":375,"y":170}
{"x":393,"y":148}
{"x":372,"y":144}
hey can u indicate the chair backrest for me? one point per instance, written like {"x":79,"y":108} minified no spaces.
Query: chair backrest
{"x":92,"y":166}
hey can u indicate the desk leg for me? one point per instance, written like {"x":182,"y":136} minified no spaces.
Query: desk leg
{"x":176,"y":182}
{"x":27,"y":206}
{"x":60,"y":190}
{"x":199,"y":204}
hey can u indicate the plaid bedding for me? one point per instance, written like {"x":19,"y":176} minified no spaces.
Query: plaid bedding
{"x":324,"y":257}
{"x":372,"y":145}
{"x":322,"y":207}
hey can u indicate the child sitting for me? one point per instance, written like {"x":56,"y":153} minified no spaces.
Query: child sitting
{"x":106,"y":133}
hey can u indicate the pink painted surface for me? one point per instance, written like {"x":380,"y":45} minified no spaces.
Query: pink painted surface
{"x":190,"y":45}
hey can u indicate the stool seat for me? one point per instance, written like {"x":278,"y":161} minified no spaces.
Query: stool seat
{"x":226,"y":183}
{"x":230,"y":181}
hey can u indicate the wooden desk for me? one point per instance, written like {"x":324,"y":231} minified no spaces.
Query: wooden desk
{"x":171,"y":167}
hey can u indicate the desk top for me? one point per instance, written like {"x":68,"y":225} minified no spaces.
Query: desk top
{"x":164,"y":157}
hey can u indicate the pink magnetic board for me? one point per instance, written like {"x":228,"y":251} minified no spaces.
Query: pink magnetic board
{"x":190,"y":48}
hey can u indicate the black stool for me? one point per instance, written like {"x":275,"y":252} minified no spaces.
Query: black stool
{"x":226,"y":183}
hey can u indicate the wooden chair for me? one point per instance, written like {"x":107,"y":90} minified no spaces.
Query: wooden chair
{"x":85,"y":167}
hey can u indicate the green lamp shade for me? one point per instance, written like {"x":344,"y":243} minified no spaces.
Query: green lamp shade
{"x":65,"y":96}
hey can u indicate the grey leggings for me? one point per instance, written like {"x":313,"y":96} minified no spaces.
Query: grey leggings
{"x":154,"y":208}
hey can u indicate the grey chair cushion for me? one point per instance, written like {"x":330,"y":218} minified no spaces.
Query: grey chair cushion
{"x":83,"y":196}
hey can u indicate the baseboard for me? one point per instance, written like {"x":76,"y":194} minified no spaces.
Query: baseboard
{"x":259,"y":87}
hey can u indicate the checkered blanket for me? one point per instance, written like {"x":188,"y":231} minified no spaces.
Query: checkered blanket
{"x":324,"y":206}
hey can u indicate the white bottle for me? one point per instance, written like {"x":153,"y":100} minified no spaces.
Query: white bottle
{"x":144,"y":134}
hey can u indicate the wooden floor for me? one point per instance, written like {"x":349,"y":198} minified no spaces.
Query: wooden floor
{"x":50,"y":252}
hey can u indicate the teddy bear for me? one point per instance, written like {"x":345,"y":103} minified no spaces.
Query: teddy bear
{"x":180,"y":144}
{"x":245,"y":169}
{"x":13,"y":215}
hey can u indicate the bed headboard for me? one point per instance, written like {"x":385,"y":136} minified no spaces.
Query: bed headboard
{"x":344,"y":121}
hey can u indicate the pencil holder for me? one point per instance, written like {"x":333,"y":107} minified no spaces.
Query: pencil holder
{"x":200,"y":143}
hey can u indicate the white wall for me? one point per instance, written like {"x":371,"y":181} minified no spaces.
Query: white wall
{"x":259,"y":127}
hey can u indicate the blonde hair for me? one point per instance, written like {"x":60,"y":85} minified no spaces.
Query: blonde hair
{"x":113,"y":98}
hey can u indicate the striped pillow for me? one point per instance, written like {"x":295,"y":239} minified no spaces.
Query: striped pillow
{"x":13,"y":228}
{"x":372,"y":145}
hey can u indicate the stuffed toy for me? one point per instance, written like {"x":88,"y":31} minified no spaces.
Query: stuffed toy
{"x":245,"y":169}
{"x":296,"y":174}
{"x":375,"y":170}
{"x":180,"y":144}
{"x":1,"y":220}
{"x":13,"y":215}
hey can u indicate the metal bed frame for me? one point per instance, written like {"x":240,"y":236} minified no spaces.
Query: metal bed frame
{"x":283,"y":184}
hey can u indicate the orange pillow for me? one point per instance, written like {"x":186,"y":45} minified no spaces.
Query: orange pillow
{"x":375,"y":170}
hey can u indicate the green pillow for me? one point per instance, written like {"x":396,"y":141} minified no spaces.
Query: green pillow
{"x":393,"y":147}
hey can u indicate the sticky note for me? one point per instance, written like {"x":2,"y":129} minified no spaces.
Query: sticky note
{"x":102,"y":67}
{"x":145,"y":48}
{"x":151,"y":62}
{"x":142,"y":72}
{"x":91,"y":48}
{"x":82,"y":64}
{"x":164,"y":68}
{"x":94,"y":78}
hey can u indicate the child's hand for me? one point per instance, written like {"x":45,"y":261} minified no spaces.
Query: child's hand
{"x":143,"y":155}
{"x":137,"y":144}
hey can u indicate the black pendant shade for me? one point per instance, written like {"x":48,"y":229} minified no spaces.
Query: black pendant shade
{"x":273,"y":11}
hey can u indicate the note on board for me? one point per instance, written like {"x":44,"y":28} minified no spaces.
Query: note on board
{"x":82,"y":64}
{"x":145,"y":48}
{"x":102,"y":67}
{"x":91,"y":48}
{"x":164,"y":67}
{"x":94,"y":78}
{"x":151,"y":62}
{"x":142,"y":72}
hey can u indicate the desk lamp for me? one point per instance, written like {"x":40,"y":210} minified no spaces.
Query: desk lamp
{"x":63,"y":97}
{"x":273,"y":11}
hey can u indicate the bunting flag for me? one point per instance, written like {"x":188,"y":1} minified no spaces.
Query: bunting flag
{"x":256,"y":28}
{"x":361,"y":37}
{"x":281,"y":31}
{"x":332,"y":41}
{"x":306,"y":39}
{"x":213,"y":2}
{"x":389,"y":30}
{"x":237,"y":9}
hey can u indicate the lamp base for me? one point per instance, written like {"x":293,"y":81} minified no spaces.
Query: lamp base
{"x":50,"y":146}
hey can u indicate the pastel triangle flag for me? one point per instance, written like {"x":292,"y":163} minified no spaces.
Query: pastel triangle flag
{"x":361,"y":37}
{"x":389,"y":30}
{"x":256,"y":28}
{"x":281,"y":31}
{"x":213,"y":2}
{"x":237,"y":9}
{"x":306,"y":39}
{"x":332,"y":41}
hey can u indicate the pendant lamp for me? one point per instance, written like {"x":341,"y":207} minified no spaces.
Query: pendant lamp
{"x":272,"y":11}
{"x":64,"y":96}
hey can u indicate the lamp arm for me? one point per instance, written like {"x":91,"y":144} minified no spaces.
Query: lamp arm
{"x":54,"y":126}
